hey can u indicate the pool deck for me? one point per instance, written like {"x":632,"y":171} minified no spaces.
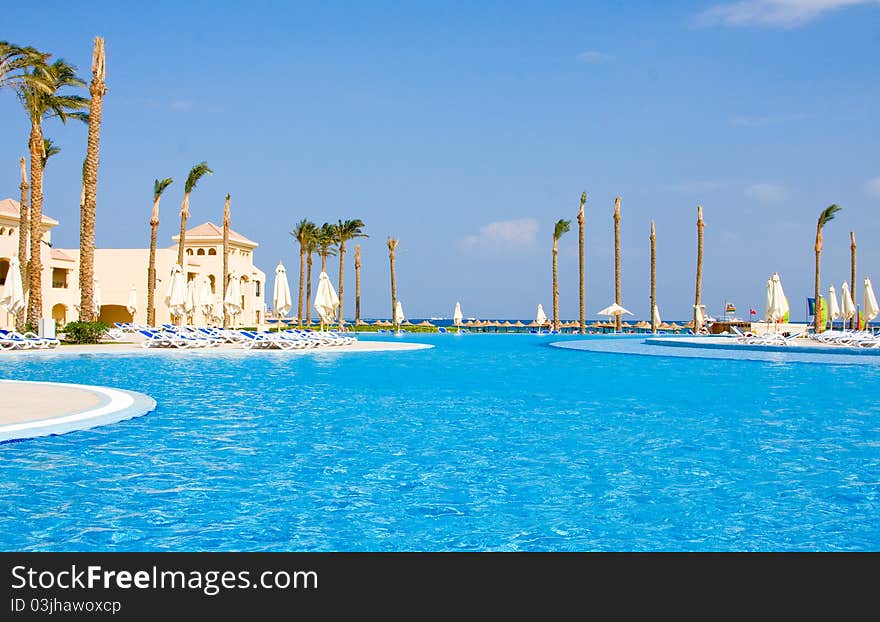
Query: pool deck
{"x":32,"y":409}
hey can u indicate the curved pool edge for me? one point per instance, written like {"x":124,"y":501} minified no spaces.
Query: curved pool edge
{"x":113,"y":405}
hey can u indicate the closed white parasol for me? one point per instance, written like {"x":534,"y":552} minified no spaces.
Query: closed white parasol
{"x":326,"y":300}
{"x":871,"y":308}
{"x":13,"y":292}
{"x":175,"y":297}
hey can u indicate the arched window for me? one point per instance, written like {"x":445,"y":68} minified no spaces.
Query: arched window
{"x":11,"y":230}
{"x":212,"y":282}
{"x":189,"y":251}
{"x":257,"y":289}
{"x":4,"y":270}
{"x":201,"y":251}
{"x":2,"y":230}
{"x":212,"y":251}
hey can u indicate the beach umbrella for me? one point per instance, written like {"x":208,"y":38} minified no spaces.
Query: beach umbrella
{"x":326,"y":300}
{"x":398,"y":313}
{"x":655,"y":317}
{"x":871,"y":308}
{"x":175,"y":296}
{"x":613,"y":310}
{"x":847,"y":307}
{"x":833,"y":307}
{"x":540,"y":316}
{"x":281,"y":301}
{"x":132,"y":304}
{"x":205,"y":300}
{"x":768,"y":301}
{"x":778,"y":308}
{"x":13,"y":292}
{"x":190,"y":303}
{"x":232,"y":296}
{"x":699,"y":318}
{"x":456,"y":315}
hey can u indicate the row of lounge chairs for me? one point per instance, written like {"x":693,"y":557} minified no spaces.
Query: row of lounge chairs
{"x":852,"y":338}
{"x":187,"y":337}
{"x":12,"y":340}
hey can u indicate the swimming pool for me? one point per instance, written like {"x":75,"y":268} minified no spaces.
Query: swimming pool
{"x":485,"y":442}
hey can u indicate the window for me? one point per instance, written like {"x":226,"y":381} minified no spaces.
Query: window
{"x":212,"y":282}
{"x":59,"y":278}
{"x":212,"y":251}
{"x":4,"y":269}
{"x":189,"y":251}
{"x":257,"y":289}
{"x":201,"y":251}
{"x":2,"y":230}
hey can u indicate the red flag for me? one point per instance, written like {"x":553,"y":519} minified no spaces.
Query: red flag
{"x":752,"y":312}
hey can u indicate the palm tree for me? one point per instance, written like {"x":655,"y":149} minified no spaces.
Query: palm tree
{"x":225,"y":276}
{"x":311,"y":249}
{"x":653,"y":239}
{"x":325,"y":237}
{"x":392,"y":249}
{"x":97,"y":89}
{"x":159,"y":187}
{"x":581,"y":218}
{"x":15,"y":62}
{"x":40,"y":92}
{"x":49,"y":149}
{"x":195,"y":174}
{"x":357,"y":283}
{"x":23,"y":228}
{"x":344,"y":231}
{"x":825,"y":217}
{"x":852,"y":273}
{"x":561,"y":226}
{"x":699,"y":285}
{"x":617,"y":320}
{"x":301,"y":233}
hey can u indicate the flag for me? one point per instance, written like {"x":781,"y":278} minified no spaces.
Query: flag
{"x":730,"y":308}
{"x":752,"y":312}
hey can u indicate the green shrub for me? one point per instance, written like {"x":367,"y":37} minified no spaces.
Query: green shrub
{"x":85,"y":332}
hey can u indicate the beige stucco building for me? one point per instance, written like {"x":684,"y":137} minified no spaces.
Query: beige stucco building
{"x":117,"y":270}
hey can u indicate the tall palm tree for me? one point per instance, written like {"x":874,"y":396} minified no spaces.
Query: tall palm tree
{"x":581,"y":219}
{"x":311,"y":249}
{"x":159,"y":187}
{"x":15,"y":61}
{"x":357,"y":283}
{"x":699,"y":285}
{"x":653,"y":239}
{"x":561,"y":226}
{"x":325,"y":237}
{"x":617,"y":320}
{"x":301,"y":233}
{"x":392,"y":250}
{"x":225,"y":276}
{"x":23,"y":228}
{"x":852,"y":273}
{"x":825,"y":217}
{"x":41,"y":94}
{"x":195,"y":174}
{"x":344,"y":231}
{"x":97,"y":89}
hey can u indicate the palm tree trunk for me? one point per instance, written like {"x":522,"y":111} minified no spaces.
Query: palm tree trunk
{"x":653,"y":276}
{"x":581,"y":218}
{"x":617,"y":318}
{"x":324,"y":261}
{"x":393,"y":287}
{"x":818,"y":249}
{"x":302,"y":283}
{"x":852,"y":274}
{"x":23,"y":229}
{"x":184,"y":215}
{"x":341,"y":278}
{"x":35,"y":267}
{"x":357,"y":283}
{"x":151,"y":270}
{"x":309,"y":291}
{"x":699,"y":285}
{"x":555,"y":283}
{"x":225,"y":278}
{"x":97,"y":89}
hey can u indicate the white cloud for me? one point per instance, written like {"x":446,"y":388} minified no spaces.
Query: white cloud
{"x":767,"y":193}
{"x":773,"y":13}
{"x":594,"y":57}
{"x":504,"y":234}
{"x":872,"y":187}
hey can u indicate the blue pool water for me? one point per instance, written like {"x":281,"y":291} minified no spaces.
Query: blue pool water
{"x":482,"y":443}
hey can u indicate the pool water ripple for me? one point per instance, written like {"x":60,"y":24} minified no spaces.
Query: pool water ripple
{"x":481,"y":443}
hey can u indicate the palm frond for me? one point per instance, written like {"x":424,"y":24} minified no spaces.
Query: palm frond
{"x":827,"y":215}
{"x":49,"y":149}
{"x":302,"y":231}
{"x":561,"y":226}
{"x":195,"y":174}
{"x":159,"y":186}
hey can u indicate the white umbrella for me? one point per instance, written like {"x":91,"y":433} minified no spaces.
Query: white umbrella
{"x":540,"y":316}
{"x":847,"y":307}
{"x":833,"y":306}
{"x":281,"y":301}
{"x":232,"y":297}
{"x":175,"y":296}
{"x":614,"y":309}
{"x":326,"y":299}
{"x":457,"y":317}
{"x":132,"y":301}
{"x":768,"y":302}
{"x":779,"y":303}
{"x":871,"y":308}
{"x":96,"y":296}
{"x":205,"y":300}
{"x":699,"y":319}
{"x":655,"y":317}
{"x":190,"y":304}
{"x":13,"y":292}
{"x":398,"y":314}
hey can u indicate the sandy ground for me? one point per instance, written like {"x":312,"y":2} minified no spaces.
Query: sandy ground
{"x":33,"y":402}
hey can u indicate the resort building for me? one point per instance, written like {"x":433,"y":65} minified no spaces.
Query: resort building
{"x":118,"y":270}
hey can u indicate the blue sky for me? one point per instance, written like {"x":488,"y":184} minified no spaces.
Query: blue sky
{"x":467,"y":130}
